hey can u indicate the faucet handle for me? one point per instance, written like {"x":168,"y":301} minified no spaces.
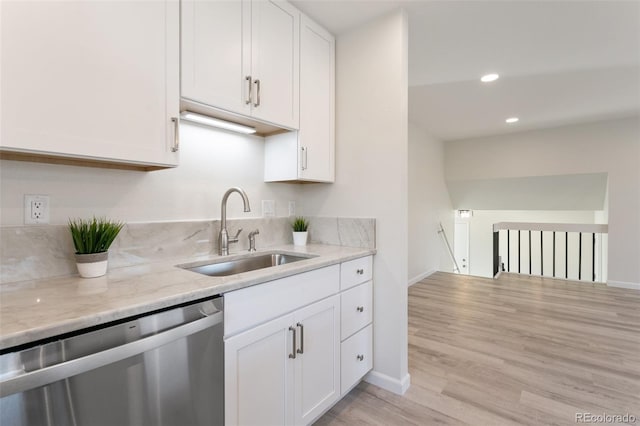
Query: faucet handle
{"x":254,"y":233}
{"x":234,"y":239}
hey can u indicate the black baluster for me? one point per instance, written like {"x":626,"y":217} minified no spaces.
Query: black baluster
{"x":530,"y":271}
{"x":554,"y":254}
{"x":593,"y":257}
{"x":566,"y":255}
{"x":541,"y":256}
{"x":579,"y":256}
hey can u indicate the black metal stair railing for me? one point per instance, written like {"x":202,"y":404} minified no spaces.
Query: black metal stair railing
{"x":587,"y":255}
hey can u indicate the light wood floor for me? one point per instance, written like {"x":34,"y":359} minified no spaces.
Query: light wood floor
{"x":517,"y":350}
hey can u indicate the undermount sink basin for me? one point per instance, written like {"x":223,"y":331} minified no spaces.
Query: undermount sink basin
{"x":246,"y":264}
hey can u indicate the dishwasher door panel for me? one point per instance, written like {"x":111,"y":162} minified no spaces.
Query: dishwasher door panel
{"x":176,"y":384}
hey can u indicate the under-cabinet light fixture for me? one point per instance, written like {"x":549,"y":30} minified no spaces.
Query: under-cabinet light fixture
{"x":216,"y":122}
{"x":512,"y":120}
{"x":465,"y":214}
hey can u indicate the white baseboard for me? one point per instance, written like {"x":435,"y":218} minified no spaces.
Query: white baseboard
{"x":420,"y":277}
{"x":389,"y":383}
{"x":622,"y":284}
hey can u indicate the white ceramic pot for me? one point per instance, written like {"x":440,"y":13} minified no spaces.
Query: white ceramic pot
{"x":92,"y":265}
{"x":300,"y":238}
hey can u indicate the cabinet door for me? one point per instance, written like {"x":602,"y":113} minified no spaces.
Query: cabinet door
{"x":317,"y":373}
{"x":259,"y":375}
{"x":96,"y":80}
{"x":216,"y":53}
{"x":316,"y":136}
{"x":275,"y":62}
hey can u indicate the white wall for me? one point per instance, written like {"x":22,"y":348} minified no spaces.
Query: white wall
{"x":211,"y":161}
{"x":429,"y":204}
{"x":371,"y":174}
{"x":481,"y":234}
{"x":608,"y":146}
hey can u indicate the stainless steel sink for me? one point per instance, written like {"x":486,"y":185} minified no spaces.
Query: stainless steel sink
{"x":246,"y":264}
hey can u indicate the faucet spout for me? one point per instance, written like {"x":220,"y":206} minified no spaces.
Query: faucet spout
{"x":223,"y":237}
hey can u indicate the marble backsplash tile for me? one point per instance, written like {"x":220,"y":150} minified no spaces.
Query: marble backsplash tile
{"x":32,"y":252}
{"x":341,"y":231}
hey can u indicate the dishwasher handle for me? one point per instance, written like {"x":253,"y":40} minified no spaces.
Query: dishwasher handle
{"x":66,"y":369}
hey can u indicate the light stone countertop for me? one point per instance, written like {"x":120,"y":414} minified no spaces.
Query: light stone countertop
{"x":39,"y":309}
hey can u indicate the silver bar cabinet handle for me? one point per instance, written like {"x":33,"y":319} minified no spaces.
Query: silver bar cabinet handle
{"x":293,"y":355}
{"x":248,"y":100}
{"x":176,"y":134}
{"x":257,"y":104}
{"x":303,"y":158}
{"x":301,"y":349}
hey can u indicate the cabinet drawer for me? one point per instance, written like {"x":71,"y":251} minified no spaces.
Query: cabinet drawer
{"x":356,"y":358}
{"x":356,"y":308}
{"x":254,"y":305}
{"x":355,"y":272}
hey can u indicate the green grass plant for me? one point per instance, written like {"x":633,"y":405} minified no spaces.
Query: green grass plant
{"x":93,"y":235}
{"x":300,"y":224}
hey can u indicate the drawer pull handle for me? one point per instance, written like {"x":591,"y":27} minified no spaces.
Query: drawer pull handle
{"x":360,"y":309}
{"x":360,"y":271}
{"x":360,"y":357}
{"x":293,"y":355}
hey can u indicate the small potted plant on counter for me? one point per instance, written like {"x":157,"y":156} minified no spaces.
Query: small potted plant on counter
{"x":92,"y":239}
{"x":300,"y":225}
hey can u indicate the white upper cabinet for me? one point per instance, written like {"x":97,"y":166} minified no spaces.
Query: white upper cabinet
{"x":309,"y":154}
{"x":214,"y":56}
{"x":91,"y":80}
{"x":243,"y":57}
{"x":275,"y":67}
{"x":317,"y":103}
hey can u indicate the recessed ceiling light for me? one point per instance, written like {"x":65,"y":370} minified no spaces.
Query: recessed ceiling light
{"x":489,"y":77}
{"x":512,"y":120}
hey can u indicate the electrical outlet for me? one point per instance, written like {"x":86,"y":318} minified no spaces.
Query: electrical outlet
{"x":292,"y":208}
{"x":36,"y":209}
{"x":268,"y":208}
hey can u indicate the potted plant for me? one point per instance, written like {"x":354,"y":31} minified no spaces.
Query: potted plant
{"x":300,"y":225}
{"x":92,"y":239}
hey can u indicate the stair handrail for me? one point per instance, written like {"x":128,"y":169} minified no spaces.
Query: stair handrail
{"x":456,"y":269}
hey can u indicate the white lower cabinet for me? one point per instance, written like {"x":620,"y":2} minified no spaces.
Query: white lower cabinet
{"x":286,"y":371}
{"x":294,"y":346}
{"x":259,"y":377}
{"x":317,"y":374}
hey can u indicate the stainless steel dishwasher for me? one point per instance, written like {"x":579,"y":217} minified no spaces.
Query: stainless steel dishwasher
{"x":163,"y":369}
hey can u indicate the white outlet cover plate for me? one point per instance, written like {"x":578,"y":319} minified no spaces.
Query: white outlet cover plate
{"x":36,"y":209}
{"x":292,"y":208}
{"x":268,"y":208}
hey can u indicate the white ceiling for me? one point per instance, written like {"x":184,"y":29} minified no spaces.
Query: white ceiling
{"x":560,"y":62}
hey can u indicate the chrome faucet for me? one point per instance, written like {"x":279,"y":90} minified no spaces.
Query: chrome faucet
{"x":223,"y":237}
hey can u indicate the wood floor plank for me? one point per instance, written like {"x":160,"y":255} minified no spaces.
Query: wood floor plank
{"x":516,"y":350}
